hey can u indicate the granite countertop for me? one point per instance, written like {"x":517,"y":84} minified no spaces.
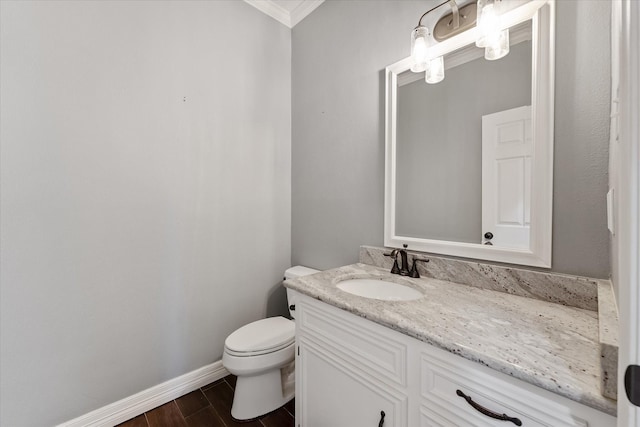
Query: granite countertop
{"x":549,"y":345}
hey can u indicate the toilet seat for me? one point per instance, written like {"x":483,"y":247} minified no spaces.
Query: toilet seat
{"x":258,"y":352}
{"x":261,"y":337}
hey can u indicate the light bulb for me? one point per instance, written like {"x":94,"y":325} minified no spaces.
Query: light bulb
{"x":488,"y":22}
{"x":435,"y":70}
{"x":498,"y":47}
{"x":419,"y":48}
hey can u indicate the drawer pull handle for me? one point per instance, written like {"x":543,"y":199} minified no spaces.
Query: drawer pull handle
{"x":487,"y":412}
{"x":381,"y":423}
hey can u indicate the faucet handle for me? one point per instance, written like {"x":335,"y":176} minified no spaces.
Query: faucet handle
{"x":414,"y":269}
{"x":394,"y":254}
{"x":395,"y":269}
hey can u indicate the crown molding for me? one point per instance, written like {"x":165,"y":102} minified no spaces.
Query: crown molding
{"x":281,"y":14}
{"x":303,"y":10}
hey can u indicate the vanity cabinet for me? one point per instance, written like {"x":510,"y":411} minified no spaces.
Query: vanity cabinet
{"x":347,"y":375}
{"x":349,"y":370}
{"x":335,"y":395}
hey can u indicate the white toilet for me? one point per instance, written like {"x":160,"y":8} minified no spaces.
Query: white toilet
{"x":261,"y":355}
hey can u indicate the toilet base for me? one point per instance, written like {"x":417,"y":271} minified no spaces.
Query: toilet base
{"x":260,"y":394}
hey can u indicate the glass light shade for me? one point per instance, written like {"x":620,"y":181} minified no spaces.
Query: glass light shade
{"x":487,"y":21}
{"x":419,"y":49}
{"x":435,"y":70}
{"x":497,"y":48}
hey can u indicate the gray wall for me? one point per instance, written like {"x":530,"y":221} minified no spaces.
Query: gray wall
{"x":439,"y":155}
{"x":145,"y":151}
{"x":583,"y":86}
{"x":338,"y":130}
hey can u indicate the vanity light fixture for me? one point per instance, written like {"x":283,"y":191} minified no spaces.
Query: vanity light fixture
{"x":491,"y":37}
{"x":449,"y":25}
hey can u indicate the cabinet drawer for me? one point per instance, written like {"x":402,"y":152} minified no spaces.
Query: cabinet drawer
{"x":444,"y":374}
{"x":359,"y":342}
{"x":443,"y":407}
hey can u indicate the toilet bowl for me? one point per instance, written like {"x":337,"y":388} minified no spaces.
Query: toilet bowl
{"x":261,"y":355}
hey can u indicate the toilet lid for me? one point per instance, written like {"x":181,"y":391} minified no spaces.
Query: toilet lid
{"x":262,"y":335}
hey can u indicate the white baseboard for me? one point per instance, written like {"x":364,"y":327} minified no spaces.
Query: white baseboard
{"x":132,"y":406}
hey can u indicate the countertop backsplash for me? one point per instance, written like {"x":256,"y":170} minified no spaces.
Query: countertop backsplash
{"x":572,"y":291}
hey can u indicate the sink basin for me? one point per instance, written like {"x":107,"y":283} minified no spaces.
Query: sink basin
{"x":379,"y":289}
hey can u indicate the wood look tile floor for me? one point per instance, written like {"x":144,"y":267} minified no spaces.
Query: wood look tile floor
{"x":209,"y":406}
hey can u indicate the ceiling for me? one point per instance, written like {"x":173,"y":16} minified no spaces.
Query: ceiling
{"x":287,"y":12}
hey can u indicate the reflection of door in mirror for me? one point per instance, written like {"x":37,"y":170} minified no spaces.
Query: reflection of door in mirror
{"x":439,"y":144}
{"x":506,"y":177}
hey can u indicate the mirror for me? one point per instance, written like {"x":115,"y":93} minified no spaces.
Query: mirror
{"x":469,"y":160}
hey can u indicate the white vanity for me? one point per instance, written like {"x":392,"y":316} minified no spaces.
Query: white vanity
{"x":531,"y":360}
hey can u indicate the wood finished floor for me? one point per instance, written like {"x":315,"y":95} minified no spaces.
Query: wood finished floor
{"x":209,"y":406}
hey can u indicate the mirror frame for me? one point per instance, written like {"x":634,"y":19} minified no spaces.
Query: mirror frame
{"x":542,"y":14}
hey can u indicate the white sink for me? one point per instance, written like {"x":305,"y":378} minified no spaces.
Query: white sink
{"x":379,"y":289}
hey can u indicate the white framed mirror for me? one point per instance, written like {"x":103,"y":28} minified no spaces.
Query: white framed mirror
{"x":469,"y":161}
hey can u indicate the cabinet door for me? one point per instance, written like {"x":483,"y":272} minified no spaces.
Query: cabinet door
{"x":330,"y":394}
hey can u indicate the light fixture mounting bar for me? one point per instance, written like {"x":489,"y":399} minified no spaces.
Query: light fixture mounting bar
{"x":465,"y":17}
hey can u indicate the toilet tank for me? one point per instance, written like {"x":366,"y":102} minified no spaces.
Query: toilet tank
{"x":293,"y":273}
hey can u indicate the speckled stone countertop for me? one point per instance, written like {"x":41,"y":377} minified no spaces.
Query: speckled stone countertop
{"x":549,"y":345}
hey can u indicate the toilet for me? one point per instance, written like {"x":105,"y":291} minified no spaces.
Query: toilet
{"x":261,"y":354}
